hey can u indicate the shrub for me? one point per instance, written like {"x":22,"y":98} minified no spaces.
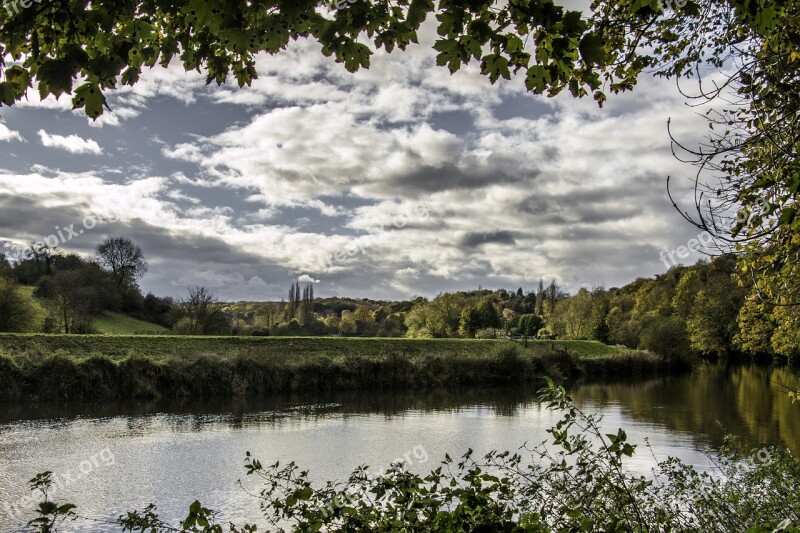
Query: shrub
{"x":667,"y":337}
{"x":486,"y":333}
{"x":186,"y":326}
{"x":530,"y":324}
{"x":511,"y":362}
{"x":10,"y":379}
{"x":545,"y":333}
{"x":19,"y":312}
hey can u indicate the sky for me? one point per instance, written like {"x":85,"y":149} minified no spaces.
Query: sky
{"x":398,"y":181}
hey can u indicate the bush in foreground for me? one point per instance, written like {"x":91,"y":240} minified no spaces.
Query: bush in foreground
{"x":577,"y":482}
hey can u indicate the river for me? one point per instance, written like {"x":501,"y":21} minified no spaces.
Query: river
{"x":114,"y":458}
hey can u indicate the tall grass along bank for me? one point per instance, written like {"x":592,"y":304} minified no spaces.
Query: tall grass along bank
{"x":94,"y":368}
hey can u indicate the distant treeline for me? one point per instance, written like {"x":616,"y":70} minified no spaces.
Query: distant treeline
{"x":690,"y":310}
{"x":696,"y":310}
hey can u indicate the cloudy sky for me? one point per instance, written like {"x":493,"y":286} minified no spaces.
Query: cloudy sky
{"x":398,"y":181}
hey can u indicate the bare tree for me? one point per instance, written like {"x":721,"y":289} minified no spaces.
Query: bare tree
{"x":200,"y":314}
{"x":540,"y":296}
{"x":75,"y":303}
{"x":123,"y":259}
{"x":553,"y":293}
{"x":5,"y":266}
{"x":44,"y":256}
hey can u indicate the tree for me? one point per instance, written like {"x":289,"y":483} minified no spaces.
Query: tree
{"x":68,"y":262}
{"x":468,"y":322}
{"x":667,"y":338}
{"x":358,"y":322}
{"x":713,"y":306}
{"x":601,"y":307}
{"x":307,"y":309}
{"x":75,"y":303}
{"x":200,"y":314}
{"x":123,"y":259}
{"x":509,"y":319}
{"x":552,"y":294}
{"x":577,"y":316}
{"x":530,"y":324}
{"x":267,"y":316}
{"x":540,"y":296}
{"x":158,"y":310}
{"x":43,"y":256}
{"x":19,"y":312}
{"x":685,"y":294}
{"x":786,"y":338}
{"x":439,"y":318}
{"x":756,"y":327}
{"x":5,"y":266}
{"x":488,"y":316}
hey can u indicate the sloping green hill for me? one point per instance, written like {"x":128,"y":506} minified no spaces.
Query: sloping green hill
{"x":119,"y":324}
{"x":112,"y":323}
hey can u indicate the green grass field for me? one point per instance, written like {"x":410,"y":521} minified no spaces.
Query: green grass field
{"x":121,"y":345}
{"x":119,"y":324}
{"x":589,"y":349}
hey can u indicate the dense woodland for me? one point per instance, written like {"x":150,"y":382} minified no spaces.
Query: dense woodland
{"x":696,"y":310}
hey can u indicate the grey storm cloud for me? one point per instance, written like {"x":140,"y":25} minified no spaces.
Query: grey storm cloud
{"x":473,"y":240}
{"x":446,"y":178}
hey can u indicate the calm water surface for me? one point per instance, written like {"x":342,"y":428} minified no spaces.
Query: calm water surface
{"x":172,"y":454}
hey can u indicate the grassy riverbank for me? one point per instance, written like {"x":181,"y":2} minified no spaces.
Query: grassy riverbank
{"x":93,"y":368}
{"x":160,"y":346}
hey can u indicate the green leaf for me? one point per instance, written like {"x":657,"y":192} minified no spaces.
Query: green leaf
{"x":8,"y":93}
{"x":794,"y":184}
{"x":495,"y":66}
{"x":55,"y":77}
{"x":592,"y":49}
{"x":90,"y":97}
{"x":537,"y":79}
{"x":358,"y":56}
{"x":787,"y":216}
{"x":418,"y":12}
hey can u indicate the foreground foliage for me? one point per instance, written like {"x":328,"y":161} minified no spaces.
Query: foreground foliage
{"x":576,"y":482}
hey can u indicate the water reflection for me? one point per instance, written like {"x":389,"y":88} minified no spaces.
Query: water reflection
{"x":503,"y":402}
{"x":173,"y":452}
{"x":747,"y":401}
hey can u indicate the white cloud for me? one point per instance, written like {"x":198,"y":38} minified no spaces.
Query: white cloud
{"x":71,"y":143}
{"x":7,"y":134}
